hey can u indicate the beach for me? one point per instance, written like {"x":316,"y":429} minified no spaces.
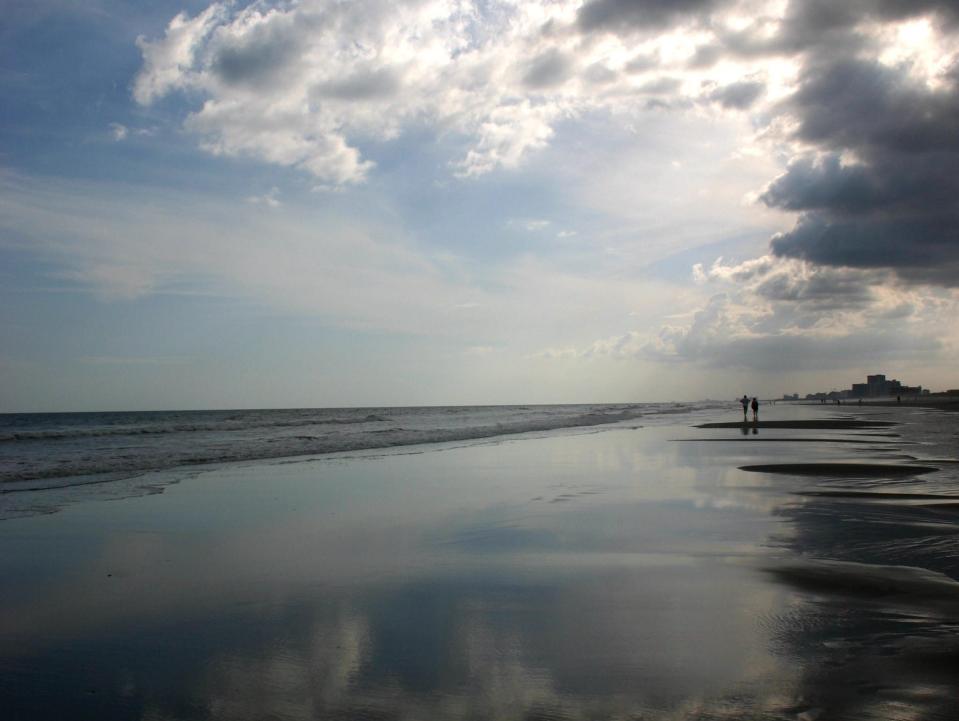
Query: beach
{"x":668,"y":565}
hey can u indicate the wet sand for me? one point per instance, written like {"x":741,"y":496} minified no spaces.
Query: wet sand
{"x":624,"y":573}
{"x":816,"y":424}
{"x":842,"y":470}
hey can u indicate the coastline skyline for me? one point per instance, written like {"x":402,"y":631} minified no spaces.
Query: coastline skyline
{"x":311,"y":204}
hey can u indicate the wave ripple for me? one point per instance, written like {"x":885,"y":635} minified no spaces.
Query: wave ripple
{"x":60,"y":449}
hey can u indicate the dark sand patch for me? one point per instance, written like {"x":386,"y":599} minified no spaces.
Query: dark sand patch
{"x":780,"y":440}
{"x":846,"y":470}
{"x":871,"y":580}
{"x":879,"y":495}
{"x":823,"y":424}
{"x":951,"y":507}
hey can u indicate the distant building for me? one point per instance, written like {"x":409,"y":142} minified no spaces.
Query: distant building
{"x":876,"y":386}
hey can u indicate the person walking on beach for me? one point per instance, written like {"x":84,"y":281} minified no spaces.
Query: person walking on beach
{"x":755,"y":410}
{"x":745,"y":402}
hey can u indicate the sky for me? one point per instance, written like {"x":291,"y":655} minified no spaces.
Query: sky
{"x":306,"y":203}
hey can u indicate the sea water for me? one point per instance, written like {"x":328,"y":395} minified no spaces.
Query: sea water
{"x":51,"y":450}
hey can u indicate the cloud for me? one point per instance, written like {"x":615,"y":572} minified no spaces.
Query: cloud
{"x":549,"y":69}
{"x":810,"y":22}
{"x":630,"y":15}
{"x":270,"y":199}
{"x":862,"y":96}
{"x":257,"y":52}
{"x":788,"y":315}
{"x":530,"y":224}
{"x":883,"y":109}
{"x":834,"y":28}
{"x":167,"y":63}
{"x":307,"y":83}
{"x":893,"y":203}
{"x":661,"y":86}
{"x":114,"y":281}
{"x":133,"y":360}
{"x":122,"y":244}
{"x":739,"y":95}
{"x":781,"y":315}
{"x":362,"y":84}
{"x":299,"y":83}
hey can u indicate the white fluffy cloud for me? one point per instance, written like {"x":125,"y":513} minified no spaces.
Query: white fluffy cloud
{"x":305,"y":83}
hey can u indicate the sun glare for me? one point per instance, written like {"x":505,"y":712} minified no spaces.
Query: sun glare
{"x":918,"y":46}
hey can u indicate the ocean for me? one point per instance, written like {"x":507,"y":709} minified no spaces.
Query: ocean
{"x":55,"y":450}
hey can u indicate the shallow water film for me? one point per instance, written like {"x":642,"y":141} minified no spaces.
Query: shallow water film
{"x":632,"y":572}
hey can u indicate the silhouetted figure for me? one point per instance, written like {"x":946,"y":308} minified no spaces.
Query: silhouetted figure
{"x":745,"y":401}
{"x":860,"y":401}
{"x":755,"y":405}
{"x":898,"y":399}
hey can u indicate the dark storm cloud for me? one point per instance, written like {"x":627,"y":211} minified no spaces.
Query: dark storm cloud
{"x":807,"y":23}
{"x":862,"y":105}
{"x":879,"y":188}
{"x":897,"y":205}
{"x":918,"y":249}
{"x":807,"y":19}
{"x":822,"y":291}
{"x":629,"y":15}
{"x":825,"y":26}
{"x":884,"y":187}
